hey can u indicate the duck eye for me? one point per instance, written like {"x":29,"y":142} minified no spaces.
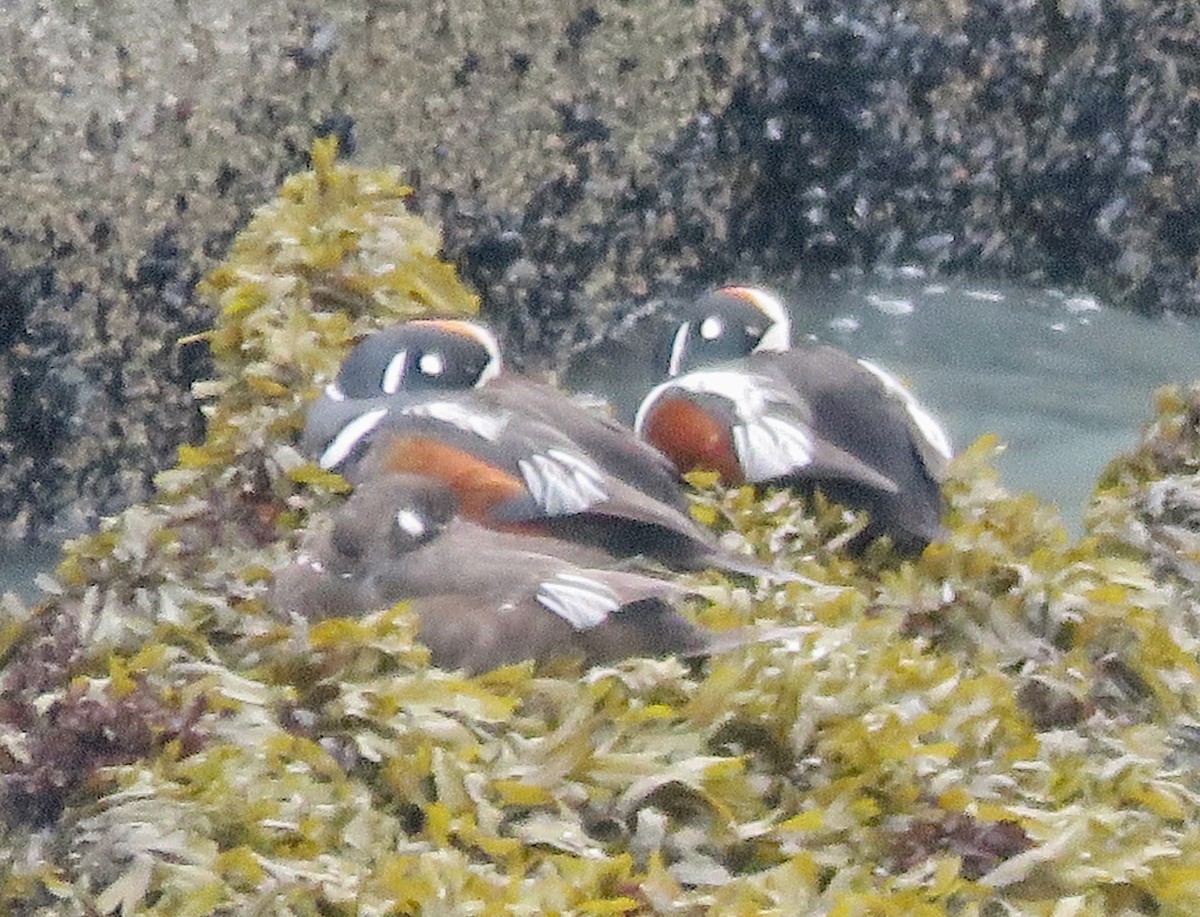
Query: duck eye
{"x":712,"y":328}
{"x":432,"y":363}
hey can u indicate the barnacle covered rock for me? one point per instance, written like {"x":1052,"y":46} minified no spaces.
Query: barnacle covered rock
{"x":1003,"y":725}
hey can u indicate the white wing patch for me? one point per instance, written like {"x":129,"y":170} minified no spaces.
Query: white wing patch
{"x":582,"y":602}
{"x":935,"y":434}
{"x":485,"y":426}
{"x":349,"y":437}
{"x":770,"y":447}
{"x":562,"y":483}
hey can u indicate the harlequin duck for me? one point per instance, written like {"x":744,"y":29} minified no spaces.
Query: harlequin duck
{"x":726,"y":324}
{"x":419,"y":359}
{"x":419,"y":356}
{"x":517,"y":455}
{"x":482,"y":598}
{"x":514,"y":473}
{"x":811,"y":415}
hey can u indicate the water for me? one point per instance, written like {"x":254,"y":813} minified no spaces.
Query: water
{"x":20,"y":565}
{"x":1063,"y":380}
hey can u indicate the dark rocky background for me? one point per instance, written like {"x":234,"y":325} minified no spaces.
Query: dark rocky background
{"x":577,"y":155}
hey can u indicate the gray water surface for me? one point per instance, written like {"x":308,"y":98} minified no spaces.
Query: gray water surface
{"x":20,"y":565}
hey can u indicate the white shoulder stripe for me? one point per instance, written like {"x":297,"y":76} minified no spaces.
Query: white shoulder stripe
{"x":644,"y":409}
{"x":562,"y":483}
{"x":582,"y":602}
{"x":935,"y":434}
{"x":349,"y":436}
{"x":486,"y":426}
{"x":749,"y":394}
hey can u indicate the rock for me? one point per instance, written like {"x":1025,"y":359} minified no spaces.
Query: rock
{"x":576,"y":159}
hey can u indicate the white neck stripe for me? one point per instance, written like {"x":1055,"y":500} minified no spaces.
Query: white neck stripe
{"x":349,"y":437}
{"x":779,"y":333}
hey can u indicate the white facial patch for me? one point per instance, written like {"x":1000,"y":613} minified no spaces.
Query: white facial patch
{"x":410,"y":523}
{"x":393,"y":373}
{"x":935,"y":434}
{"x":349,"y":437}
{"x":562,"y":483}
{"x":334,"y":392}
{"x":312,"y":563}
{"x":485,"y":426}
{"x":678,"y":348}
{"x":582,"y":602}
{"x":432,"y":363}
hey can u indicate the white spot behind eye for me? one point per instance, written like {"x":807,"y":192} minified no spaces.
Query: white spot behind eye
{"x":432,"y":363}
{"x":393,"y":374}
{"x":712,"y":328}
{"x":410,"y":522}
